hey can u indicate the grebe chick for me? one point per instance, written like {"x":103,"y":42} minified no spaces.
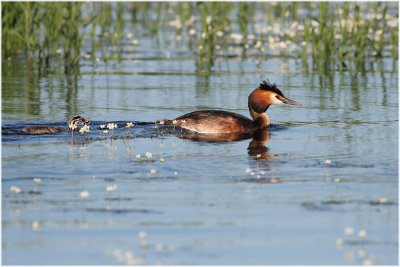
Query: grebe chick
{"x":219,"y":121}
{"x":76,"y":120}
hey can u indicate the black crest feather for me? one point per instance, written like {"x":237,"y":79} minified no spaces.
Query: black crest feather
{"x":267,"y":85}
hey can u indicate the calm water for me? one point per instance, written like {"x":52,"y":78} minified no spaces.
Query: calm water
{"x":273,"y":201}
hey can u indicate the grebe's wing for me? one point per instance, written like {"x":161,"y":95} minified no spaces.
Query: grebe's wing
{"x":212,"y":121}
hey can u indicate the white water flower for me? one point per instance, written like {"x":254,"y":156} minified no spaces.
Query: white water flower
{"x":142,"y":235}
{"x":251,"y":36}
{"x":237,"y":37}
{"x":349,"y":230}
{"x":362,"y":233}
{"x":111,"y":188}
{"x":35,"y":225}
{"x":84,"y":194}
{"x":192,"y":32}
{"x":208,"y":19}
{"x":112,"y":126}
{"x":86,"y":128}
{"x":339,"y":242}
{"x":15,"y":189}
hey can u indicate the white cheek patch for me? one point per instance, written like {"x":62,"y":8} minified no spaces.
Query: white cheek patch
{"x":276,"y":101}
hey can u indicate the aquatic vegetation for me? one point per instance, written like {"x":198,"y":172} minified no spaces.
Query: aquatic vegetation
{"x":112,"y":126}
{"x":142,"y":235}
{"x":37,"y":29}
{"x":349,"y":230}
{"x":15,"y":189}
{"x":72,"y":128}
{"x":352,"y":241}
{"x":334,"y":35}
{"x":84,"y":130}
{"x":84,"y":194}
{"x":111,"y":188}
{"x":127,"y":132}
{"x":362,"y":233}
{"x":35,"y":225}
{"x":382,"y":199}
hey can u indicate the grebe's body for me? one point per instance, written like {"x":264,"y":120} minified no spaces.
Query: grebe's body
{"x":219,"y":121}
{"x":42,"y":129}
{"x":215,"y":121}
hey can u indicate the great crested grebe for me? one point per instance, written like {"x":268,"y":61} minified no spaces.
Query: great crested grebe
{"x":220,"y":121}
{"x":75,"y":121}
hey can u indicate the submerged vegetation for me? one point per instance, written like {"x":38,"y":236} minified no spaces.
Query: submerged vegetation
{"x":343,"y":36}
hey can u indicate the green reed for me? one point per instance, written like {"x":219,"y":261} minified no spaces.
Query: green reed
{"x":344,"y":35}
{"x":214,"y":17}
{"x":37,"y":29}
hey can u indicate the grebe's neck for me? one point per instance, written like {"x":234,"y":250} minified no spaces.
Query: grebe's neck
{"x":260,"y":119}
{"x":259,"y":102}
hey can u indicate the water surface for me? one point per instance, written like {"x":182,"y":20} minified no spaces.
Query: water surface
{"x":246,"y":202}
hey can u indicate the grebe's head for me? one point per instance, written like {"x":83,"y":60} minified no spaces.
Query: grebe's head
{"x":77,"y":120}
{"x":268,"y":94}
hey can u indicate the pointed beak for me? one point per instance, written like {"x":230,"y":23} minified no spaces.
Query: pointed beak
{"x":288,"y":101}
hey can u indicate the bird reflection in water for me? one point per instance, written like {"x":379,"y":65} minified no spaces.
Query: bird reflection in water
{"x":257,"y":149}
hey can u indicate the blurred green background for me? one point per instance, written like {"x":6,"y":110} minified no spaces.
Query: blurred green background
{"x":344,"y":34}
